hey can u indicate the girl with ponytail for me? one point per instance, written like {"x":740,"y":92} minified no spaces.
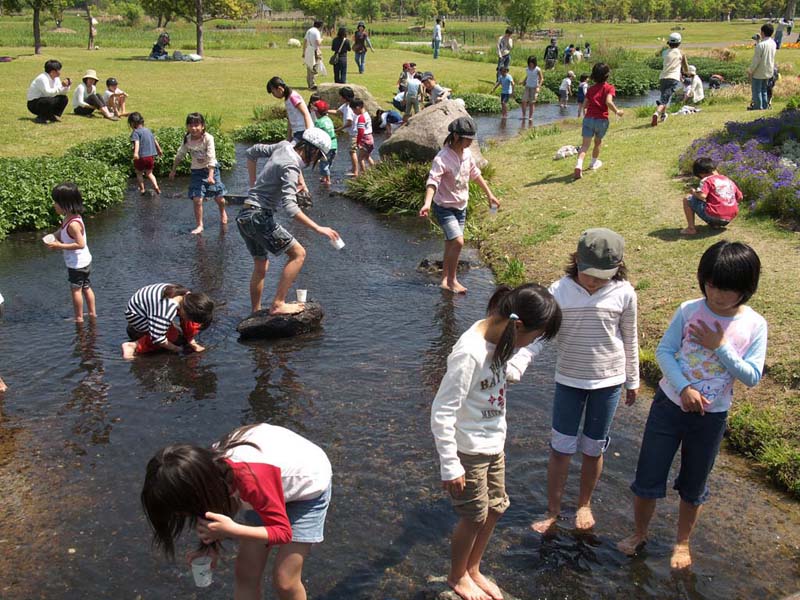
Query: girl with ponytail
{"x":468,"y":421}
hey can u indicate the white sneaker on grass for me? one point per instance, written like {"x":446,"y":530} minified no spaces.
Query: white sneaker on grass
{"x":595,"y":164}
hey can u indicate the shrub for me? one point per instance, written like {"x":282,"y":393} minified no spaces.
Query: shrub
{"x":480,"y":103}
{"x":733,"y":71}
{"x":749,"y":428}
{"x":632,"y":79}
{"x":782,"y":462}
{"x":26,"y":183}
{"x":262,"y":132}
{"x":514,"y":272}
{"x":268,"y":112}
{"x":648,"y":366}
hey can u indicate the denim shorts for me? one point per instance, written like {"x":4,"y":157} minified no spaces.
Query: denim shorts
{"x":504,"y":98}
{"x":667,"y":88}
{"x":451,"y":220}
{"x":325,"y":163}
{"x":79,"y":278}
{"x":307,"y":518}
{"x":200,"y":188}
{"x":592,"y":127}
{"x":262,"y":235}
{"x":568,"y":408}
{"x":699,"y":208}
{"x":699,"y":437}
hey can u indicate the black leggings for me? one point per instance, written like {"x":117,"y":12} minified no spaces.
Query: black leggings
{"x":48,"y":107}
{"x":95,"y":101}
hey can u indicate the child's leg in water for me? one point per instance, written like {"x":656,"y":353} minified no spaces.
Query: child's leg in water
{"x":140,"y":180}
{"x":462,"y":547}
{"x":287,"y":572}
{"x":557,"y":471}
{"x":249,"y":570}
{"x":479,"y":547}
{"x":591,"y":468}
{"x":687,"y":518}
{"x":198,"y":215}
{"x":452,"y":251}
{"x":643,"y":510}
{"x":88,"y":293}
{"x":77,"y":304}
{"x":152,"y":177}
{"x":223,"y":216}
{"x":297,"y":256}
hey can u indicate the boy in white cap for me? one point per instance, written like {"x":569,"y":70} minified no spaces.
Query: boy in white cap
{"x":694,"y":92}
{"x":675,"y":67}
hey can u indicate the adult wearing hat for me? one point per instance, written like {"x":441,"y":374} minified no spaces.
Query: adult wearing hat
{"x":674,"y":69}
{"x":551,"y":55}
{"x":360,"y":44}
{"x":274,"y":188}
{"x":47,"y":94}
{"x":86,"y":100}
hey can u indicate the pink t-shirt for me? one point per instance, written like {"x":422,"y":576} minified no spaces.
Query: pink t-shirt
{"x":450,"y":175}
{"x":722,"y":196}
{"x":296,"y":119}
{"x":596,"y":107}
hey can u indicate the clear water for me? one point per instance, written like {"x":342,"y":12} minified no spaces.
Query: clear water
{"x":80,"y":424}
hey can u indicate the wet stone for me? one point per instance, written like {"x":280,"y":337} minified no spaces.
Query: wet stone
{"x":433,"y":264}
{"x":262,"y":325}
{"x":436,"y":588}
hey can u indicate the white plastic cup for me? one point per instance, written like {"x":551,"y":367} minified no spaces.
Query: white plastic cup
{"x":338,"y":243}
{"x":302,"y":295}
{"x":202,"y":572}
{"x":49,"y":238}
{"x":492,"y":211}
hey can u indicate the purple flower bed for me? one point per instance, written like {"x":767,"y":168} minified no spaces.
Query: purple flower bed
{"x":749,"y":153}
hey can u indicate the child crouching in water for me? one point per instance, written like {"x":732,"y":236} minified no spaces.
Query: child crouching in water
{"x":448,"y":189}
{"x":151,"y":311}
{"x":276,"y":483}
{"x":711,"y":342}
{"x":468,"y":421}
{"x":71,"y":238}
{"x":599,"y":99}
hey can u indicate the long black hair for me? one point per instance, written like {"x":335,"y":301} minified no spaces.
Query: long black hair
{"x":533,"y":306}
{"x":276,"y":82}
{"x":183,"y":482}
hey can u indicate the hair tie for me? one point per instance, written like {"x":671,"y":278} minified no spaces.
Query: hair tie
{"x":514,"y":317}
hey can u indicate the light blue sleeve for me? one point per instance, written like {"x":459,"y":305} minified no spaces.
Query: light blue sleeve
{"x":668,"y":347}
{"x":747,"y":368}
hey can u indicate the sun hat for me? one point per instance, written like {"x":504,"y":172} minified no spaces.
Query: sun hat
{"x":463,"y":127}
{"x":692,"y":70}
{"x":426,"y":75}
{"x":600,"y":252}
{"x":321,"y":107}
{"x":90,"y":74}
{"x":318,"y":138}
{"x":570,"y":73}
{"x":361,"y":24}
{"x":675,"y":38}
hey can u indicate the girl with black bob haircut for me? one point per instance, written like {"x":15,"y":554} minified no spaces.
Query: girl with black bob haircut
{"x":730,"y":266}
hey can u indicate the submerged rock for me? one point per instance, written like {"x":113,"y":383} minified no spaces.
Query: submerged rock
{"x":436,"y":588}
{"x":433,"y":264}
{"x":262,"y":325}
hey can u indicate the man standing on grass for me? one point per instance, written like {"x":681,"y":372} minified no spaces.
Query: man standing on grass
{"x":437,"y":37}
{"x":762,"y":67}
{"x":551,"y":55}
{"x":312,"y":53}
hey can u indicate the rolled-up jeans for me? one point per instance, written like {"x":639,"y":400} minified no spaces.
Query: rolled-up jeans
{"x":760,"y":99}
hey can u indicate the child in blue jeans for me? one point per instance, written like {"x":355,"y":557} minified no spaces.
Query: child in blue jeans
{"x":710,"y":343}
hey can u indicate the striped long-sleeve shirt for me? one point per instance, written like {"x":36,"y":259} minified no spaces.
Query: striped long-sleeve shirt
{"x":149,"y":312}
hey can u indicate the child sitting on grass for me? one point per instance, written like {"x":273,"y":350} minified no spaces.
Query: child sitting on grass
{"x":506,"y":83}
{"x":599,"y":99}
{"x":115,"y":98}
{"x":716,"y":201}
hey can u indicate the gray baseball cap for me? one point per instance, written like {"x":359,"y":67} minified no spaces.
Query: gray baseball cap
{"x":463,"y":127}
{"x":600,"y":252}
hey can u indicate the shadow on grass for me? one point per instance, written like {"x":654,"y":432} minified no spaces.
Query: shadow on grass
{"x":674,"y":234}
{"x":552,"y":179}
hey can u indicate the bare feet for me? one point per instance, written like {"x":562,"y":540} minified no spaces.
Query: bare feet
{"x":158,"y":191}
{"x":681,"y":557}
{"x":584,"y":519}
{"x":488,"y":586}
{"x":129,"y":350}
{"x":454,"y":287}
{"x":79,"y":319}
{"x":546,"y":525}
{"x":631,"y":544}
{"x":467,"y":589}
{"x":287,"y":308}
{"x":688,"y":231}
{"x":197,"y":230}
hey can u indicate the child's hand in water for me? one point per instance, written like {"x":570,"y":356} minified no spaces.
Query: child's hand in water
{"x":195,"y":346}
{"x":455,"y":486}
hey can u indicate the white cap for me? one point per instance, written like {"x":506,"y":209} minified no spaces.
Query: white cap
{"x":675,"y":38}
{"x":692,"y":70}
{"x":317,"y":137}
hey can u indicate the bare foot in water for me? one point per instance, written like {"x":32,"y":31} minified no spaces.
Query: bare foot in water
{"x":486,"y":585}
{"x":287,"y":308}
{"x":467,"y":589}
{"x":197,"y":230}
{"x":631,"y":545}
{"x":129,"y":350}
{"x":454,"y":287}
{"x":584,"y":519}
{"x":681,"y":557}
{"x":546,"y":525}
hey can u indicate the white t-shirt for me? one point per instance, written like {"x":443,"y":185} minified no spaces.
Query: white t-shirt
{"x":566,"y":84}
{"x":672,"y":64}
{"x":437,"y":32}
{"x":532,"y":77}
{"x":108,"y":93}
{"x":696,"y":89}
{"x":348,"y":115}
{"x":297,"y":120}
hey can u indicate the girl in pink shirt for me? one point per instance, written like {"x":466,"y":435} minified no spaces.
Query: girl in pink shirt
{"x":448,"y":189}
{"x":296,"y":110}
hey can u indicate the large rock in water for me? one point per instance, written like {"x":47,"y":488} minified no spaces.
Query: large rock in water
{"x":330,"y":93}
{"x":262,"y":325}
{"x":424,"y":135}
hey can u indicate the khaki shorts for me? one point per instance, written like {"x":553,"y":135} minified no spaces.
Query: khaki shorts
{"x":486,"y":486}
{"x":530,"y":94}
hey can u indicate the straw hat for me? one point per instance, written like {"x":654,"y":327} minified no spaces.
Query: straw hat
{"x":90,"y":74}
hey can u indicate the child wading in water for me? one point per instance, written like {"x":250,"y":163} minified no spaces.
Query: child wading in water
{"x":710,"y":343}
{"x":206,"y":181}
{"x":324,"y":122}
{"x":533,"y":83}
{"x":151,"y":311}
{"x":71,"y":238}
{"x":448,"y":188}
{"x":297,"y":115}
{"x":365,"y":142}
{"x":599,"y":100}
{"x":468,"y":421}
{"x":145,"y":150}
{"x":598,"y":352}
{"x":276,"y":484}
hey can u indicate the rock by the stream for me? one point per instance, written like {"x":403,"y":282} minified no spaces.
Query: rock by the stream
{"x":436,"y":588}
{"x":424,"y":135}
{"x":330,"y":93}
{"x":262,"y":325}
{"x":433,"y":264}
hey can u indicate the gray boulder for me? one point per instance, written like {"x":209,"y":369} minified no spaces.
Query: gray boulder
{"x":262,"y":325}
{"x":424,"y":135}
{"x":330,"y":93}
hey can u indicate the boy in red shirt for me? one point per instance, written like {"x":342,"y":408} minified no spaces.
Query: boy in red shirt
{"x":599,"y":100}
{"x":716,"y":201}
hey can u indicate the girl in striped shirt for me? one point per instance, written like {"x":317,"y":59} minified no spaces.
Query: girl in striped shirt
{"x":150,"y":315}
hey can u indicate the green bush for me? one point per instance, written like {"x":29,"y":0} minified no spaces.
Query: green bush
{"x":648,"y":366}
{"x":26,"y":183}
{"x":631,"y":79}
{"x":782,"y":462}
{"x":749,"y":428}
{"x":269,"y":112}
{"x":117,"y":151}
{"x":262,"y":132}
{"x":793,"y":103}
{"x":480,"y":103}
{"x":732,"y":71}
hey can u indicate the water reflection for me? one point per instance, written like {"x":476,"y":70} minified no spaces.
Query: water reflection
{"x":435,"y":363}
{"x":175,"y":375}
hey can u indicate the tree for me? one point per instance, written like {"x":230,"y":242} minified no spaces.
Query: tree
{"x":368,"y":9}
{"x":163,"y":10}
{"x":200,"y":11}
{"x":425,"y":10}
{"x":328,"y":11}
{"x":51,"y":6}
{"x":523,"y":14}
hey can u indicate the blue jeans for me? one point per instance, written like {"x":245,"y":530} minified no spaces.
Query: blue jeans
{"x":325,"y":163}
{"x":568,"y":408}
{"x":361,"y":60}
{"x":340,"y":70}
{"x":668,"y":427}
{"x":760,"y":99}
{"x":436,"y":45}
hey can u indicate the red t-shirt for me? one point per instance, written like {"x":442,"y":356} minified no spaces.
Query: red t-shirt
{"x":596,"y":107}
{"x":722,"y":197}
